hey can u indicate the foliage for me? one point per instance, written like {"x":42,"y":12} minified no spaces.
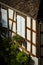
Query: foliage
{"x":17,"y":38}
{"x":11,"y":54}
{"x":23,"y":58}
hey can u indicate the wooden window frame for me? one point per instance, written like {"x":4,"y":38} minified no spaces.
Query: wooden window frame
{"x":36,"y":45}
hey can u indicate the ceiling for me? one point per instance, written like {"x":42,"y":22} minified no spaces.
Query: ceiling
{"x":29,"y":7}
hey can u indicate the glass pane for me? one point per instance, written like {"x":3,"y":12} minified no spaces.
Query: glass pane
{"x":34,"y":25}
{"x":18,"y":24}
{"x":33,"y":50}
{"x":21,"y":26}
{"x":28,"y":34}
{"x":4,"y":18}
{"x":9,"y":33}
{"x":13,"y":34}
{"x":10,"y":13}
{"x":34,"y":37}
{"x":28,"y":22}
{"x":28,"y":46}
{"x":10,"y":24}
{"x":24,"y":45}
{"x":14,"y":27}
{"x":15,"y":16}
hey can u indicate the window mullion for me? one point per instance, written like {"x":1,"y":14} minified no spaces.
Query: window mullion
{"x":31,"y":35}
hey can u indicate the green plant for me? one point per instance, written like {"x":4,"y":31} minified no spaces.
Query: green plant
{"x":23,"y":58}
{"x":11,"y":54}
{"x":17,"y":38}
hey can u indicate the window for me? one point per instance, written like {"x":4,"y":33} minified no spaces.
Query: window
{"x":17,"y":25}
{"x":34,"y":37}
{"x":4,"y":18}
{"x":10,"y":13}
{"x":34,"y":25}
{"x":28,"y":22}
{"x":21,"y":26}
{"x":14,"y":16}
{"x":28,"y":34}
{"x":14,"y":27}
{"x":31,"y":35}
{"x":10,"y":24}
{"x":28,"y":46}
{"x":33,"y":50}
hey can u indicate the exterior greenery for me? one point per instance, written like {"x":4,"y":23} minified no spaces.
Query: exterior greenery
{"x":11,"y":54}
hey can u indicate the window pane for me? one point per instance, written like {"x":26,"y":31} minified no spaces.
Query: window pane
{"x":4,"y":17}
{"x":10,"y":13}
{"x":10,"y":24}
{"x":28,"y":34}
{"x":14,"y":27}
{"x":34,"y":25}
{"x":24,"y":45}
{"x":21,"y":26}
{"x":13,"y":34}
{"x":15,"y":16}
{"x":18,"y":24}
{"x":28,"y":46}
{"x":29,"y":22}
{"x":9,"y":33}
{"x":33,"y":50}
{"x":34,"y":37}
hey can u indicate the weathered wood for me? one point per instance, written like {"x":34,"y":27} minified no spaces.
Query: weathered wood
{"x":29,"y":7}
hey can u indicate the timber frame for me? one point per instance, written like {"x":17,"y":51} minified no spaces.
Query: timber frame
{"x":3,"y":6}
